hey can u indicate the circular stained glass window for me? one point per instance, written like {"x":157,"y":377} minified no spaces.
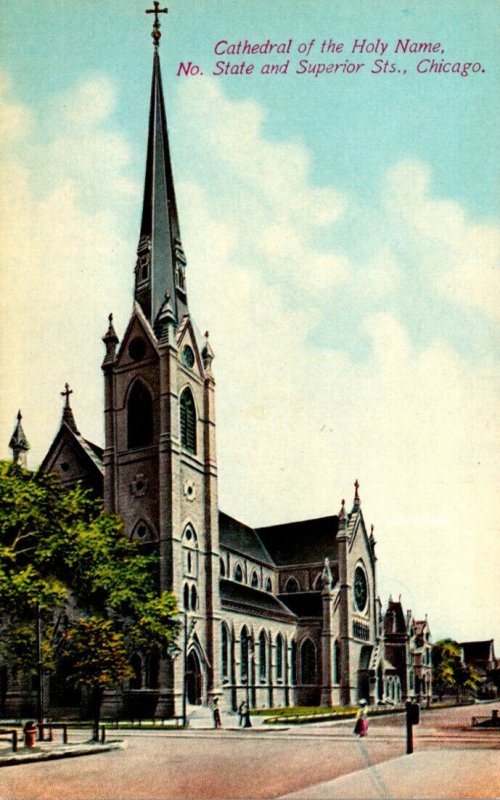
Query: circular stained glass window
{"x":188,"y":357}
{"x":360,"y":589}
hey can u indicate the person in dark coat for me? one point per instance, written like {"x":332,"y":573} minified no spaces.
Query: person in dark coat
{"x":216,"y":713}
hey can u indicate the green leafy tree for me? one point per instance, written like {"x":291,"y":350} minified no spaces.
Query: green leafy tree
{"x":98,"y":594}
{"x":449,"y":673}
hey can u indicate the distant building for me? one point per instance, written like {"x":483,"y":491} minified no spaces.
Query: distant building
{"x":408,"y":648}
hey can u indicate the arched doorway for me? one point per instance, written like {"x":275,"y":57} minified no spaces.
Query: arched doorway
{"x":194,"y":688}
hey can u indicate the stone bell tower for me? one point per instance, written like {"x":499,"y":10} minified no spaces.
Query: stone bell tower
{"x":159,"y":457}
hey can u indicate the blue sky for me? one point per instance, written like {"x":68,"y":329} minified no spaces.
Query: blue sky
{"x":349,"y":219}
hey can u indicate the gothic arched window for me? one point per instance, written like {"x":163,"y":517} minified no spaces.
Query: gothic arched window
{"x":279,"y":657}
{"x":238,"y":573}
{"x":139,"y":417}
{"x":194,"y":598}
{"x":244,"y":654}
{"x":224,"y":652}
{"x":293,"y":656}
{"x":262,"y":656}
{"x":255,"y":580}
{"x":308,"y":662}
{"x":153,"y":669}
{"x":188,"y":421}
{"x":269,"y":585}
{"x":186,"y":597}
{"x":222,"y":568}
{"x":292,"y":585}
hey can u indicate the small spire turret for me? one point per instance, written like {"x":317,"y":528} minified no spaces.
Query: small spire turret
{"x":110,"y":339}
{"x":357,"y":502}
{"x":165,"y":324}
{"x":67,"y":415}
{"x":19,"y":444}
{"x":207,"y":355}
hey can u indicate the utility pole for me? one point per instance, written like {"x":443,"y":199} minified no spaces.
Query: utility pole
{"x":40,"y":709}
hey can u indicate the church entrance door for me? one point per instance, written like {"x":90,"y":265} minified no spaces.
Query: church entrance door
{"x":193,"y":679}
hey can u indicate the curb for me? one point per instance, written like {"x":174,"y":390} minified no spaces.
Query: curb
{"x":75,"y":752}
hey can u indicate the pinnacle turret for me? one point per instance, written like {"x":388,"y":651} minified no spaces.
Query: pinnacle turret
{"x":19,"y":443}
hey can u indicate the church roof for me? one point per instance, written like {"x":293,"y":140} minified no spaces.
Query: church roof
{"x":253,"y":601}
{"x":478,"y":651}
{"x":305,"y":542}
{"x":239,"y":537}
{"x":303,"y":604}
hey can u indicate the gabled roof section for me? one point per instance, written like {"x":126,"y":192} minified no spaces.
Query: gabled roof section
{"x":160,"y":258}
{"x":478,"y":651}
{"x":394,"y":619}
{"x":85,"y":462}
{"x":239,"y":597}
{"x":305,"y":542}
{"x":241,"y":538}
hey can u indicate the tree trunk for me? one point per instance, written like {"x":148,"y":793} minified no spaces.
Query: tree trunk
{"x":96,"y":708}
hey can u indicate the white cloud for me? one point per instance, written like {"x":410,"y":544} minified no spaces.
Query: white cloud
{"x":461,"y":257}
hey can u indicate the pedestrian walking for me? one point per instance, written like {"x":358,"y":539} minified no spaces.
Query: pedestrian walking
{"x":216,"y":713}
{"x":361,"y":726}
{"x":242,"y":708}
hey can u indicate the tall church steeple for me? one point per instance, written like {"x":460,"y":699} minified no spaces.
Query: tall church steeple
{"x":161,"y":261}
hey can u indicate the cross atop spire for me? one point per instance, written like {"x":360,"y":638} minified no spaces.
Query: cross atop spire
{"x":67,"y":415}
{"x":156,"y":35}
{"x":357,"y":501}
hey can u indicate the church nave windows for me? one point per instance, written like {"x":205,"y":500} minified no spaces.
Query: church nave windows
{"x":292,"y":585}
{"x":139,"y":417}
{"x":262,"y":656}
{"x":238,"y":573}
{"x":279,"y":657}
{"x":255,"y":580}
{"x":188,"y":421}
{"x":225,"y":652}
{"x":308,"y":662}
{"x":190,"y":597}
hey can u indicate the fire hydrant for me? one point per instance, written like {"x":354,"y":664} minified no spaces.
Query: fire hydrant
{"x":29,"y":734}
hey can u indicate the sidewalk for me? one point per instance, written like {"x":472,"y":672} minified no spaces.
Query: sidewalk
{"x":45,"y":751}
{"x":430,"y":774}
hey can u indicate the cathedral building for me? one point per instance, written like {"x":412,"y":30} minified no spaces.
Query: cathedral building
{"x":280,"y":615}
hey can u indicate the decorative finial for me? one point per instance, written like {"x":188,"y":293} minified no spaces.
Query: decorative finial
{"x":19,"y":415}
{"x":66,"y":394}
{"x":110,"y":318}
{"x":206,"y":334}
{"x":156,"y":35}
{"x":167,"y":296}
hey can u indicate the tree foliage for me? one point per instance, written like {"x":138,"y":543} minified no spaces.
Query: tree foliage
{"x":97,"y":592}
{"x":449,"y":673}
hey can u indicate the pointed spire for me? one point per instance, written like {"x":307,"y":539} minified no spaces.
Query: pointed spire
{"x":161,"y":262}
{"x":110,"y":339}
{"x":207,"y":355}
{"x":326,"y":576}
{"x":19,"y":443}
{"x":67,"y":415}
{"x":357,"y":502}
{"x":342,"y":516}
{"x":164,"y":326}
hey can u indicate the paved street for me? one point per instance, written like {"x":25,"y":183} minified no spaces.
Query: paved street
{"x":267,"y":763}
